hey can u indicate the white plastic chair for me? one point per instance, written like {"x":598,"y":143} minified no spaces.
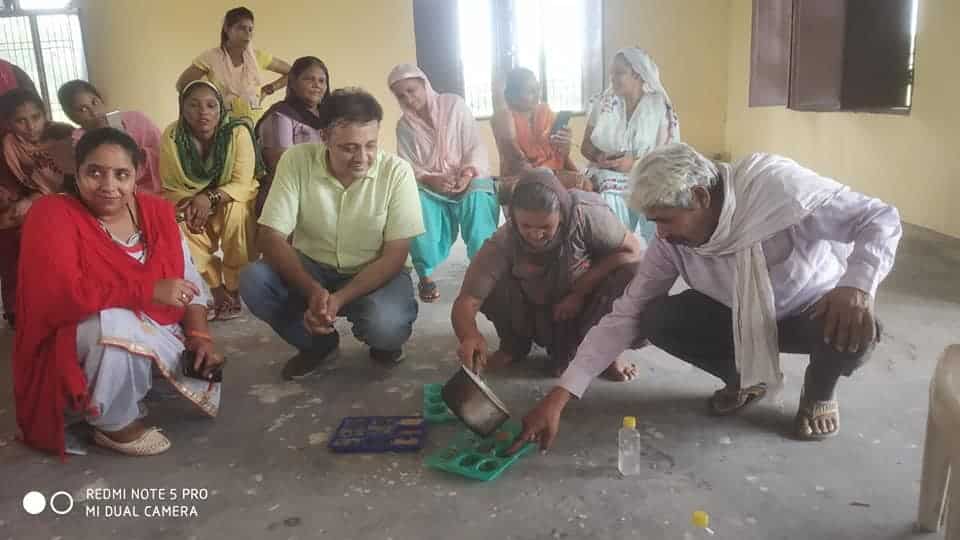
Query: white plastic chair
{"x":940,"y":490}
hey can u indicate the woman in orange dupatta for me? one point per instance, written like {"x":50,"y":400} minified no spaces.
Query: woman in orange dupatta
{"x":36,"y":152}
{"x":112,"y":297}
{"x":522,"y":129}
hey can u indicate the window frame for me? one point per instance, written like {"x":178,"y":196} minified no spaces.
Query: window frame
{"x":592,"y":61}
{"x":11,"y":9}
{"x":830,"y":56}
{"x":436,"y":22}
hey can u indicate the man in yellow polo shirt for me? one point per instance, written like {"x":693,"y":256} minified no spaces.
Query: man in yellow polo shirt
{"x":352,"y":210}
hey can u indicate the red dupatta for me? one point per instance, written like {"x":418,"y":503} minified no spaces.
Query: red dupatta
{"x":70,"y":269}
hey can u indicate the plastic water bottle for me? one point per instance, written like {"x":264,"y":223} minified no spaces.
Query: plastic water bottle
{"x":630,"y":447}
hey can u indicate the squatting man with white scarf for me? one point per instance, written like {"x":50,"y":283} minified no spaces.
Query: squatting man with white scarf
{"x":778,"y":258}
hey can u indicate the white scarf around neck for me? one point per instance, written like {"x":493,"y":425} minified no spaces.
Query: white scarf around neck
{"x":763,"y":195}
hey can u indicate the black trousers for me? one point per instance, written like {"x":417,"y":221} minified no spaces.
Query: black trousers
{"x":699,"y":330}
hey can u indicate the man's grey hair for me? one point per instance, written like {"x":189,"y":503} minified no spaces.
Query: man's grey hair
{"x":666,"y":176}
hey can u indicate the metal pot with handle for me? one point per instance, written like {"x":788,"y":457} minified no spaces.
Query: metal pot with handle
{"x":473,"y":402}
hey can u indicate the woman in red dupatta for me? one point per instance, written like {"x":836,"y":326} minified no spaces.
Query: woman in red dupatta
{"x":112,"y":296}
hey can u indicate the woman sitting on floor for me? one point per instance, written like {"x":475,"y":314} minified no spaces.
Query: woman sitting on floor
{"x":112,"y":297}
{"x":630,"y":118}
{"x":295,"y":120}
{"x":439,"y":137}
{"x":234,"y":67}
{"x":523,"y":129}
{"x":546,"y":276}
{"x":209,"y":168}
{"x":36,"y":153}
{"x":83,"y":104}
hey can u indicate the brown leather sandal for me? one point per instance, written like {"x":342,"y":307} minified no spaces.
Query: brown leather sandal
{"x":726,"y":401}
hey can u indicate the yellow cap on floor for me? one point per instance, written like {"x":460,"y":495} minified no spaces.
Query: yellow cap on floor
{"x":630,"y":422}
{"x":701,"y":519}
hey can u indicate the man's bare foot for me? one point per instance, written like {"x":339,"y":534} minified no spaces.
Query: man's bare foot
{"x":499,"y":360}
{"x":621,"y":371}
{"x":132,"y":432}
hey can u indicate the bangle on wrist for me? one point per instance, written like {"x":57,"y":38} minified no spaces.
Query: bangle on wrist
{"x":214,"y":197}
{"x":199,"y":334}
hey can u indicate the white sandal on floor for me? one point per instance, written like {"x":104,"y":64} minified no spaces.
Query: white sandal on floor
{"x":151,"y":443}
{"x":810,"y":412}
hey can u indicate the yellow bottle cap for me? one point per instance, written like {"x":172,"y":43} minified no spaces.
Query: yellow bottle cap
{"x":630,"y":422}
{"x":701,"y":519}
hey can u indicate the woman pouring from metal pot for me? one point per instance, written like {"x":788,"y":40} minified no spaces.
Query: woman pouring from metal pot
{"x":546,"y":276}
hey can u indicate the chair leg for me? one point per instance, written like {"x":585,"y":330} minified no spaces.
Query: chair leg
{"x":933,"y":482}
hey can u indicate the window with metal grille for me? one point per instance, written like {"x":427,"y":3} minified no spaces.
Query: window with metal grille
{"x":461,"y":43}
{"x":44,"y":39}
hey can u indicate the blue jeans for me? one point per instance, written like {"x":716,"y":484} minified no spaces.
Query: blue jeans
{"x":383,"y":319}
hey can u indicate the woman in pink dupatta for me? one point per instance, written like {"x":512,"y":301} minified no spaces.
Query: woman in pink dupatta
{"x":86,"y":107}
{"x":439,"y":137}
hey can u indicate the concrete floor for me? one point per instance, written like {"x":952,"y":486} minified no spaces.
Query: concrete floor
{"x":270,"y":476}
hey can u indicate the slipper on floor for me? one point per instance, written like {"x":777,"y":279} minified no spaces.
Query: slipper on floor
{"x":725,"y":402}
{"x":228,"y":309}
{"x":151,"y":443}
{"x":614,"y":375}
{"x":812,"y":411}
{"x":428,"y":291}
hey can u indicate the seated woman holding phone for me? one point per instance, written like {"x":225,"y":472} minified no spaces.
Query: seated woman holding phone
{"x":529,"y":134}
{"x":111,"y":300}
{"x":85,"y":106}
{"x":631,"y":117}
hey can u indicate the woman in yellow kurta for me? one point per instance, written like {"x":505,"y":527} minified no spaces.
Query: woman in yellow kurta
{"x":209,"y":168}
{"x":235,"y":66}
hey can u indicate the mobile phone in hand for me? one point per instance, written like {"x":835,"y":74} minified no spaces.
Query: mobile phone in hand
{"x":561,"y":121}
{"x":114,"y":120}
{"x":186,"y":366}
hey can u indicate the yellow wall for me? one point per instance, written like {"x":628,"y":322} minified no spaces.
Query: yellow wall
{"x":136,"y":49}
{"x":689,"y":41}
{"x":910,"y":161}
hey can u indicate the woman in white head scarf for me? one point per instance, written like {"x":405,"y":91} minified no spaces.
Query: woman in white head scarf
{"x":631,"y":117}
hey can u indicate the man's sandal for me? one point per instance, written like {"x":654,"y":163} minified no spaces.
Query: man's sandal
{"x":726,"y":401}
{"x":812,"y":411}
{"x":151,"y":443}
